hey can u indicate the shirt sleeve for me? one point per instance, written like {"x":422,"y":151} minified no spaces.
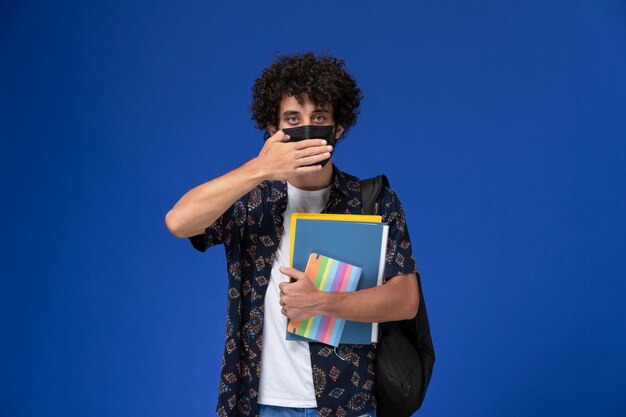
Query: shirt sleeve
{"x":399,"y":259}
{"x":219,"y":232}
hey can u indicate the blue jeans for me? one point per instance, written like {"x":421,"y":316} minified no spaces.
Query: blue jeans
{"x":275,"y":411}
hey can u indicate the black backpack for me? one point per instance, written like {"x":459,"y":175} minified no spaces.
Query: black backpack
{"x":405,"y":356}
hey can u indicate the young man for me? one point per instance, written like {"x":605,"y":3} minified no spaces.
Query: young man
{"x":249,"y":209}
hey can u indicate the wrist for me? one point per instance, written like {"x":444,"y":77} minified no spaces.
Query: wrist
{"x":327,"y":302}
{"x":254,"y":170}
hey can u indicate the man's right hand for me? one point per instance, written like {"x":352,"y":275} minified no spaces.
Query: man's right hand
{"x":280,"y":159}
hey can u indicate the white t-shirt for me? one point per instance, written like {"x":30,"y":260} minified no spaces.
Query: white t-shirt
{"x":286,"y":375}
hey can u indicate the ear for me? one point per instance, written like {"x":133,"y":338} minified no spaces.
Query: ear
{"x":271,"y":129}
{"x":339,"y":131}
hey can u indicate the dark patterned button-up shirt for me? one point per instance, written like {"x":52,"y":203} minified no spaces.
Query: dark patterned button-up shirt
{"x":250,"y":231}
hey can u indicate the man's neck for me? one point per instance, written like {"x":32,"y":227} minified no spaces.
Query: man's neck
{"x":315,"y":180}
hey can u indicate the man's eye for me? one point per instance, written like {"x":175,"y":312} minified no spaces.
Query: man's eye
{"x":318,"y":118}
{"x":292,"y":119}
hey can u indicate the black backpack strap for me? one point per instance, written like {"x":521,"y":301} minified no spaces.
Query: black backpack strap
{"x":370,"y":190}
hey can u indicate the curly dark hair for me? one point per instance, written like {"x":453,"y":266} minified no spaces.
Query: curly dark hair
{"x":322,"y":78}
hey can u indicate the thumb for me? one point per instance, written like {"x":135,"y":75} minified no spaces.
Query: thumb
{"x":293,"y":274}
{"x":279,"y":136}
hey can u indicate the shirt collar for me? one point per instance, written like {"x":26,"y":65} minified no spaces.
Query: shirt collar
{"x":344,"y":183}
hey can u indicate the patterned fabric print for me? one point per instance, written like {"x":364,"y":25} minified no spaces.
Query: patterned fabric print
{"x":399,"y":259}
{"x":355,"y":379}
{"x":359,"y":401}
{"x":250,"y":231}
{"x":319,"y":380}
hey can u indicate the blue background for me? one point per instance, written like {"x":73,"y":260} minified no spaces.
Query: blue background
{"x":501,"y":124}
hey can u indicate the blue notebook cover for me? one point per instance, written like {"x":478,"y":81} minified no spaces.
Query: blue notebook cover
{"x":357,"y":243}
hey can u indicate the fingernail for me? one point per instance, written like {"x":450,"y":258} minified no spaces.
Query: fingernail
{"x":323,"y":142}
{"x":329,"y":147}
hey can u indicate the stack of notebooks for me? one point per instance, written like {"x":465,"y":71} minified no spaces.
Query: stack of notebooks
{"x":338,"y":252}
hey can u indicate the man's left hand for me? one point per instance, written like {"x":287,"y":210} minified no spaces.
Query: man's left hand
{"x":298,"y":299}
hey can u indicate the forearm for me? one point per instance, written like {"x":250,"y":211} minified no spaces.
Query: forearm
{"x":201,"y":206}
{"x":398,"y":299}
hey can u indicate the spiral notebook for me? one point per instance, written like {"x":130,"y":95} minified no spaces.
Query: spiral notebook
{"x":327,"y":274}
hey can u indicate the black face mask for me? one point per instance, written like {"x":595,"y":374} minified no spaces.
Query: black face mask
{"x":299,"y":133}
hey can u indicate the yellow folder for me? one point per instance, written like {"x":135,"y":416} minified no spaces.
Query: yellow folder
{"x":365,"y":218}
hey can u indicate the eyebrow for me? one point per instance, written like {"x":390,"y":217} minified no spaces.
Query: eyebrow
{"x":292,"y":112}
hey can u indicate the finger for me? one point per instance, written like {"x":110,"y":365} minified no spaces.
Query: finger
{"x":307,"y":170}
{"x":314,"y":150}
{"x":294,"y":274}
{"x":290,"y":272}
{"x":313,"y":159}
{"x":282,"y":310}
{"x":279,"y":136}
{"x":307,"y":143}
